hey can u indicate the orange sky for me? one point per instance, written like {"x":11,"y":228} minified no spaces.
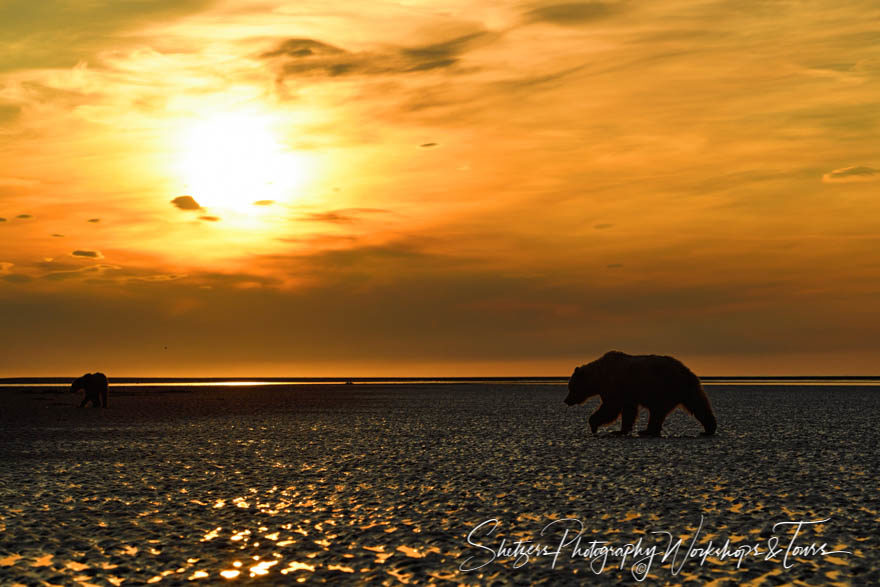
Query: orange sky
{"x":438,"y":188}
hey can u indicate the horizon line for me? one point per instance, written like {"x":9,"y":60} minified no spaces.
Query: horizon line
{"x":152,"y":379}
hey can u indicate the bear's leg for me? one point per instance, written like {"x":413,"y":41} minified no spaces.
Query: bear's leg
{"x":90,"y":396}
{"x":698,"y":405}
{"x":606,"y":414}
{"x":655,"y":422}
{"x":630,"y":413}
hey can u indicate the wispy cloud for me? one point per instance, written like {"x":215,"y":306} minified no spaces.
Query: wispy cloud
{"x":574,"y":13}
{"x":9,"y":113}
{"x":37,"y":35}
{"x":343,"y":216}
{"x":855,"y":173}
{"x":302,"y":56}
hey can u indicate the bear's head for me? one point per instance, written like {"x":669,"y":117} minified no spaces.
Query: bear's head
{"x":79,"y":383}
{"x":581,"y":385}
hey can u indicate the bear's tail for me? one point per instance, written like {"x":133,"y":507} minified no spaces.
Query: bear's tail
{"x":698,"y":405}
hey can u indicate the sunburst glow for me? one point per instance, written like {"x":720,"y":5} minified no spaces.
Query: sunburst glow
{"x":229,"y":161}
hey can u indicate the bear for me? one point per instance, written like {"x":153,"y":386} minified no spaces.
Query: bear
{"x":94,"y":386}
{"x":625,"y":382}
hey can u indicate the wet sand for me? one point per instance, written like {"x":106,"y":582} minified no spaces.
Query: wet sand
{"x":386,"y":483}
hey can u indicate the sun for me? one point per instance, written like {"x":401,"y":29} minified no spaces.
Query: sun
{"x":229,"y":161}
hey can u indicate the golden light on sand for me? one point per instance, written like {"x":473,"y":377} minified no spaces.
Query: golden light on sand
{"x":262,"y":568}
{"x":297,"y":566}
{"x":229,"y":161}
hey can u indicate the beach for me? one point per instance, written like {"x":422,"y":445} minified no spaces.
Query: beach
{"x":421,"y":483}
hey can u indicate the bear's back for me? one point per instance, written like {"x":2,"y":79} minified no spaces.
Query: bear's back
{"x":644,"y":376}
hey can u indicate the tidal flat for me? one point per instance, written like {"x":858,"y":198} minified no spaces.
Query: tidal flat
{"x":434,"y":483}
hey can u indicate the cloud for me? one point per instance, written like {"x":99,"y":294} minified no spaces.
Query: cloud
{"x":602,"y":226}
{"x":2,"y":220}
{"x":264,"y":202}
{"x":186,"y":203}
{"x":52,"y":265}
{"x":573,"y":13}
{"x":342,"y":216}
{"x":334,"y":217}
{"x":51,"y":270}
{"x":852,"y":174}
{"x":301,"y":48}
{"x":304,"y":57}
{"x":24,"y":216}
{"x":98,"y":273}
{"x":60,"y":33}
{"x":209,"y":218}
{"x":160,"y":277}
{"x":360,"y":265}
{"x":9,"y":113}
{"x":94,"y":220}
{"x":319,"y":240}
{"x":15,"y":278}
{"x":427,"y":145}
{"x":89,"y":254}
{"x":443,"y":54}
{"x":55,"y":234}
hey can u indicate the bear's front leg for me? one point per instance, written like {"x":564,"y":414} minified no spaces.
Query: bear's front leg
{"x":630,"y":413}
{"x":606,"y":414}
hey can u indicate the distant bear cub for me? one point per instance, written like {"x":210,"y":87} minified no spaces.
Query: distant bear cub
{"x":626,"y":382}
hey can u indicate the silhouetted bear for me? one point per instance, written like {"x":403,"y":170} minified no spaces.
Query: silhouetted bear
{"x":94,"y":386}
{"x":626,"y":382}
